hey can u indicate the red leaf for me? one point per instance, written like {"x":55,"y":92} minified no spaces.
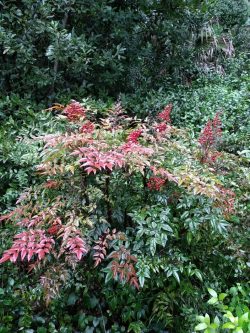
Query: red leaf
{"x":30,"y":254}
{"x":23,"y":254}
{"x":5,"y":257}
{"x":41,"y":254}
{"x":14,"y":257}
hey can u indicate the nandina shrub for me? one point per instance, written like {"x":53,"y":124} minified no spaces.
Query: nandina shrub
{"x":128,"y":198}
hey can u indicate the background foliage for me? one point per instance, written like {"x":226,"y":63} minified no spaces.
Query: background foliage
{"x":73,"y":47}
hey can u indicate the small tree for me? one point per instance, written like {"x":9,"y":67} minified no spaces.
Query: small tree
{"x":124,"y":200}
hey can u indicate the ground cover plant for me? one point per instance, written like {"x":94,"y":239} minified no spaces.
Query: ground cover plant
{"x":130,"y":223}
{"x":238,"y":321}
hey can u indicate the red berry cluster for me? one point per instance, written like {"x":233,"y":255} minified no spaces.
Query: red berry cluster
{"x":74,"y":111}
{"x":133,"y":136}
{"x":56,"y":226}
{"x":155,"y":183}
{"x":165,"y":114}
{"x":207,"y":136}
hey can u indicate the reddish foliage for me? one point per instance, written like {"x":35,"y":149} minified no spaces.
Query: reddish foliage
{"x":77,"y":246}
{"x":155,"y":183}
{"x":74,"y":111}
{"x":211,"y":132}
{"x":215,"y":156}
{"x":53,"y":230}
{"x":88,"y":127}
{"x":133,"y":136}
{"x":164,"y":173}
{"x":207,"y":136}
{"x":165,"y":114}
{"x":160,"y":127}
{"x":47,"y":215}
{"x":94,"y":160}
{"x":123,"y":267}
{"x":212,"y":157}
{"x":100,"y":250}
{"x":50,"y":184}
{"x":98,"y":154}
{"x":228,"y":198}
{"x":102,"y":245}
{"x":56,"y":226}
{"x":7,"y":216}
{"x":27,"y":244}
{"x":16,"y":213}
{"x":133,"y":148}
{"x":66,"y":139}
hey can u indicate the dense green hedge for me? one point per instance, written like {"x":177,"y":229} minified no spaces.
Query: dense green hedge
{"x":107,"y":47}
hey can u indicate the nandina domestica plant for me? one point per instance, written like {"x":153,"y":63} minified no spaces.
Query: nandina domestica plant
{"x":113,"y":194}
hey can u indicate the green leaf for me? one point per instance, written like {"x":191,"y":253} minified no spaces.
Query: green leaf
{"x":214,"y":326}
{"x":217,"y":320}
{"x":11,"y":282}
{"x":152,"y":246}
{"x":72,"y":299}
{"x":135,"y":327}
{"x":109,"y":276}
{"x":212,"y":292}
{"x":222,"y":296}
{"x":189,"y":237}
{"x":228,"y":325}
{"x":41,"y":330}
{"x":207,"y":319}
{"x":96,"y":322}
{"x":213,"y":300}
{"x":244,"y":317}
{"x":176,"y":275}
{"x":201,"y":319}
{"x":238,"y":330}
{"x":200,"y":327}
{"x":93,"y":302}
{"x":198,"y":275}
{"x":230,"y":316}
{"x":167,"y":228}
{"x":141,"y":281}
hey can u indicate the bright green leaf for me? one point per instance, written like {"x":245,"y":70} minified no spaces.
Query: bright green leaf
{"x":200,"y":327}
